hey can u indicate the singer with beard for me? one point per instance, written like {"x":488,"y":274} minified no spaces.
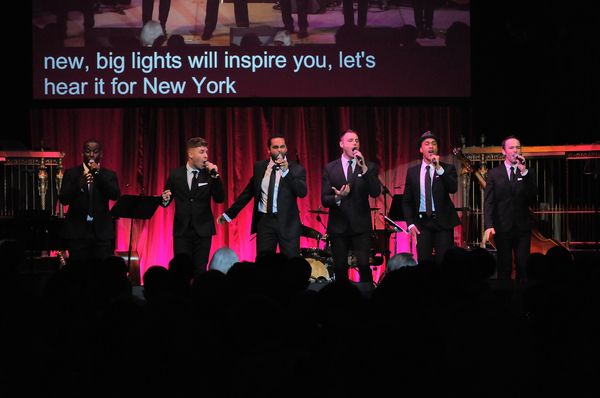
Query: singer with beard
{"x":508,"y":191}
{"x":429,"y":211}
{"x":192,"y":186}
{"x":88,"y":229}
{"x":275,"y":186}
{"x":346,"y":185}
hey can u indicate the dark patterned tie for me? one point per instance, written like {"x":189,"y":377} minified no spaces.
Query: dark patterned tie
{"x":349,"y":171}
{"x":428,"y":205}
{"x":271,"y":191}
{"x":194,"y":182}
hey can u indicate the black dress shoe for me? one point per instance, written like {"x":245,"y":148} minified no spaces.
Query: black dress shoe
{"x":420,"y":32}
{"x":290,"y":29}
{"x":206,"y":35}
{"x":302,"y":33}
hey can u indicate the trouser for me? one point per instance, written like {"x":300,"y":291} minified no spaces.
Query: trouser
{"x":340,"y":248}
{"x":268,"y":236}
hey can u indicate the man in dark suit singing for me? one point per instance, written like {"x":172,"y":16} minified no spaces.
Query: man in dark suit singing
{"x":88,"y":228}
{"x":428,"y":209}
{"x":346,"y":185}
{"x":192,"y":186}
{"x":275,"y":186}
{"x":508,"y":191}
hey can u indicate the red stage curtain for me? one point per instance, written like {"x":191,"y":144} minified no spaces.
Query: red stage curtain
{"x":143,"y":144}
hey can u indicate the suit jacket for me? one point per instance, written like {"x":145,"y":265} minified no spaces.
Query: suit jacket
{"x":505,"y":205}
{"x":441,"y":188}
{"x":106,"y":187}
{"x":194,"y":208}
{"x":291,"y":187}
{"x":355,"y":209}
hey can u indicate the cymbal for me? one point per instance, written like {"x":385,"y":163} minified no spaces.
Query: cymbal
{"x":309,"y":232}
{"x":318,"y":211}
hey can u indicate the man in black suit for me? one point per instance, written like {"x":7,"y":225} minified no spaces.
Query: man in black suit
{"x":275,"y":186}
{"x":288,"y":20}
{"x":508,"y":191}
{"x":428,"y":209}
{"x":88,"y":228}
{"x":240,"y":9}
{"x":346,"y":185}
{"x":193,"y":186}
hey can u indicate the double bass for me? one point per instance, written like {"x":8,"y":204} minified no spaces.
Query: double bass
{"x":539,"y":244}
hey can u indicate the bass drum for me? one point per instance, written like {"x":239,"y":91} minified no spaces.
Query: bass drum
{"x":318,"y":270}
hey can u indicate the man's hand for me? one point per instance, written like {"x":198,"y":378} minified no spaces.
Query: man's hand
{"x":486,"y":235}
{"x":361,"y":161}
{"x":414,"y":231}
{"x":221,"y":219}
{"x":86,"y":178}
{"x":283,"y":164}
{"x":211,"y":166}
{"x":343,"y":191}
{"x":166,"y":196}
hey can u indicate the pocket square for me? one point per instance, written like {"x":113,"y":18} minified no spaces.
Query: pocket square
{"x":519,"y":179}
{"x":202,"y":183}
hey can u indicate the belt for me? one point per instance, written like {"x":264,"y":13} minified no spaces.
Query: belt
{"x":424,"y":215}
{"x":266,"y":215}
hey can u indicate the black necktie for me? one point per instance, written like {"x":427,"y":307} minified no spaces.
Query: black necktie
{"x":271,"y":191}
{"x":194,"y":181}
{"x":512,"y":177}
{"x":90,"y":199}
{"x":349,"y":171}
{"x":428,"y":206}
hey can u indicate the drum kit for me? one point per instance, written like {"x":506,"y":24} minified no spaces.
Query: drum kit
{"x":320,"y":257}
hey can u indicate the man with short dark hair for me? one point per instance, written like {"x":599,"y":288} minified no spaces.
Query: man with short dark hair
{"x":275,"y":186}
{"x":192,"y":186}
{"x":346,"y":185}
{"x":429,"y":211}
{"x":509,"y":189}
{"x":88,"y":228}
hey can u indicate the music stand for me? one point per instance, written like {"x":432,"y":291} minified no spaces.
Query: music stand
{"x":135,"y":207}
{"x":396,"y":213}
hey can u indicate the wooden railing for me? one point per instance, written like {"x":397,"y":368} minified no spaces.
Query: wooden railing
{"x":31,"y":183}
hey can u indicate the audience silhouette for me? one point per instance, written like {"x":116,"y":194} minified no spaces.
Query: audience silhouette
{"x":262,"y":329}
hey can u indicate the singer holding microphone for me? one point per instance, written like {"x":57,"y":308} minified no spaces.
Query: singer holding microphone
{"x":508,"y":191}
{"x":346,"y":185}
{"x":88,"y":229}
{"x":275,"y":186}
{"x":429,"y":211}
{"x":192,"y":186}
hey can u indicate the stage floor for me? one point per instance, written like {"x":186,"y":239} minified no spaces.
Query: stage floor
{"x":186,"y":18}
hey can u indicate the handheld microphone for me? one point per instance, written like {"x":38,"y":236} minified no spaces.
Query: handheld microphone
{"x":92,"y":170}
{"x":359,"y":160}
{"x":433,"y":160}
{"x":522,"y":161}
{"x":212,"y":172}
{"x":277,"y":167}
